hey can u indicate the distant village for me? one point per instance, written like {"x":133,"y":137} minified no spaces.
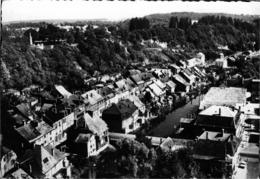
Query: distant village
{"x":45,"y":126}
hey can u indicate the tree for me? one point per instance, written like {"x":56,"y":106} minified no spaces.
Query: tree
{"x":173,"y":22}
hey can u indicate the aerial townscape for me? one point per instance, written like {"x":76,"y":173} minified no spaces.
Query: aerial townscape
{"x":163,"y":96}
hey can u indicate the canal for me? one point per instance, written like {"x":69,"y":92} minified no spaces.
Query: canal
{"x":168,"y":126}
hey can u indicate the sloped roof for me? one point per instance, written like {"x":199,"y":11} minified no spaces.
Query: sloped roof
{"x":31,"y":133}
{"x":62,"y":91}
{"x":96,"y":126}
{"x":48,"y":156}
{"x":124,"y":107}
{"x":155,"y":89}
{"x":181,"y":80}
{"x":159,"y":83}
{"x":137,"y":102}
{"x":83,"y":138}
{"x":24,"y":108}
{"x":219,"y":110}
{"x":137,"y":79}
{"x":19,"y":173}
{"x":171,"y":84}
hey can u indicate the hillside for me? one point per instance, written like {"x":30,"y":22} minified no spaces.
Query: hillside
{"x":165,"y":18}
{"x":111,"y":48}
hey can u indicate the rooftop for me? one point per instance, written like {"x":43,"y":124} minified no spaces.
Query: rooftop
{"x":219,"y":110}
{"x":223,"y":96}
{"x":155,"y":89}
{"x":96,"y":126}
{"x":62,"y":91}
{"x":83,"y":138}
{"x":181,"y":80}
{"x":31,"y":132}
{"x":215,"y":136}
{"x":124,"y":107}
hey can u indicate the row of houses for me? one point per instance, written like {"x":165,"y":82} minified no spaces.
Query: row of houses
{"x":48,"y":124}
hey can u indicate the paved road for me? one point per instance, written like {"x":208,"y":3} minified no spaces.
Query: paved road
{"x":167,"y":127}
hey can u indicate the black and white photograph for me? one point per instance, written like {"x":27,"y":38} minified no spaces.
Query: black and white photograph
{"x":129,"y":89}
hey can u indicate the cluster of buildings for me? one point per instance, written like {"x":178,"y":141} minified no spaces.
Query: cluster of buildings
{"x":46,"y":125}
{"x":225,"y":132}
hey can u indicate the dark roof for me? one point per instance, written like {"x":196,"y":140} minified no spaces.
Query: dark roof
{"x":125,"y":108}
{"x":206,"y":149}
{"x":106,"y":91}
{"x":24,"y":108}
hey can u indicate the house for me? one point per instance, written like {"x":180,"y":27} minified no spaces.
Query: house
{"x":48,"y":162}
{"x":122,"y":117}
{"x":8,"y":160}
{"x":245,"y":162}
{"x":144,"y":114}
{"x":221,"y":62}
{"x":36,"y":133}
{"x":223,"y":96}
{"x":160,"y":84}
{"x":85,"y":144}
{"x":174,"y":68}
{"x":89,"y":137}
{"x":137,"y":79}
{"x":170,"y":85}
{"x":156,"y":92}
{"x":182,"y":84}
{"x":188,"y":76}
{"x":216,"y":118}
{"x":247,"y":119}
{"x":60,"y":118}
{"x":94,"y":102}
{"x":199,"y":60}
{"x":212,"y":148}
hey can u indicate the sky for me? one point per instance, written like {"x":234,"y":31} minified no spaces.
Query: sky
{"x":26,"y":10}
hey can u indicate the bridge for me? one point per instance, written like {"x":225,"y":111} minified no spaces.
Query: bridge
{"x":156,"y":141}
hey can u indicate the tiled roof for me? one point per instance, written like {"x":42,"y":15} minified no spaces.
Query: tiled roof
{"x":30,"y":133}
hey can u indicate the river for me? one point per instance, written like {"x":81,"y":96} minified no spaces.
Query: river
{"x":167,"y":127}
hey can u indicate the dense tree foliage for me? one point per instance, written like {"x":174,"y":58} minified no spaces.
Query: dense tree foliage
{"x":111,"y":48}
{"x":139,"y":23}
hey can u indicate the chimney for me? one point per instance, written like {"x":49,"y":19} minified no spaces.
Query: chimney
{"x":222,"y":132}
{"x":207,"y":135}
{"x":219,"y":111}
